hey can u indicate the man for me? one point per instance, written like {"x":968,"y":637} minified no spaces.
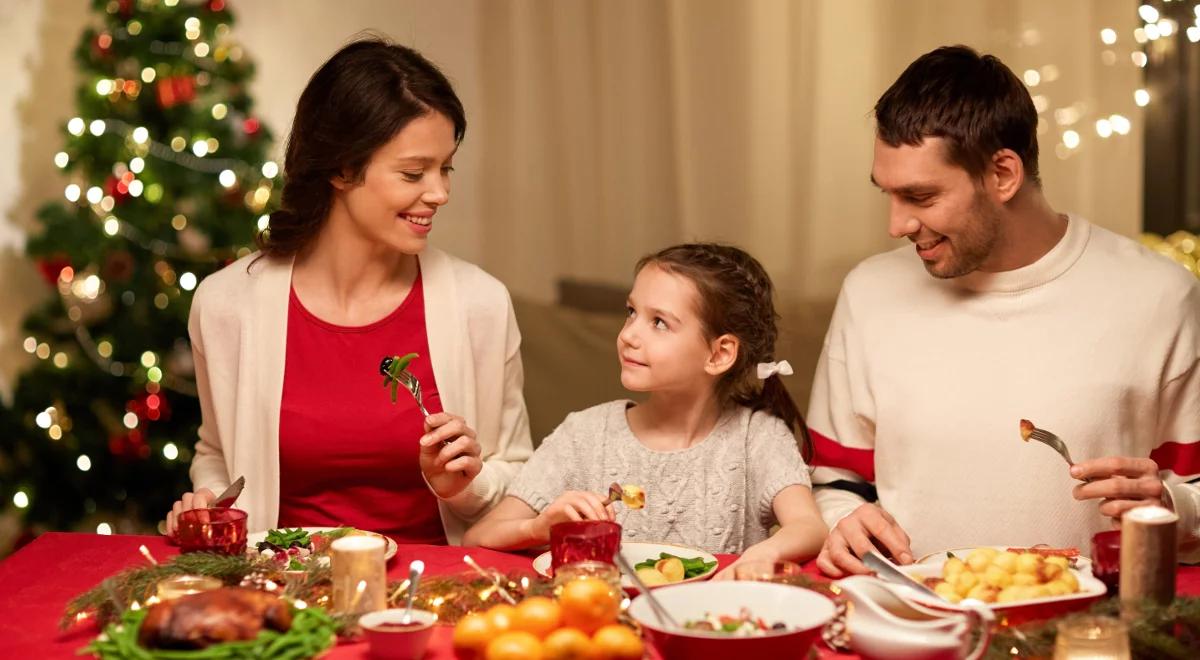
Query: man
{"x":1007,"y":310}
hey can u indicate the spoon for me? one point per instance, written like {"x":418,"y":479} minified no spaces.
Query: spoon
{"x":415,"y":570}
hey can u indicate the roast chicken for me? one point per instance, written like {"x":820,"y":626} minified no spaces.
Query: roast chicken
{"x":199,"y":620}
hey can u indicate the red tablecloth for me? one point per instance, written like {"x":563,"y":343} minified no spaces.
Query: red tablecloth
{"x":37,"y":582}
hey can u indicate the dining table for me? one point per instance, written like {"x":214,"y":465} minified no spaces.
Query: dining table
{"x":38,"y":580}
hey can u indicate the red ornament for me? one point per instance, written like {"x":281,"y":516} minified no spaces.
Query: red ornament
{"x":118,"y":187}
{"x":51,"y":267}
{"x":216,"y":5}
{"x":129,"y":446}
{"x":250,"y":126}
{"x":175,"y":90}
{"x":125,"y":7}
{"x":102,"y":45}
{"x":118,"y":266}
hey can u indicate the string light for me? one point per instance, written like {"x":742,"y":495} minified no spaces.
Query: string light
{"x":270,"y":169}
{"x":83,"y":463}
{"x":20,"y":499}
{"x":72,"y":192}
{"x":30,"y":345}
{"x":264,"y":221}
{"x":170,"y":451}
{"x":1108,"y":36}
{"x":200,"y":148}
{"x":227,"y":178}
{"x":187,"y":281}
{"x":130,"y":421}
{"x":1120,"y":124}
{"x":1141,"y":97}
{"x":97,"y":127}
{"x":1070,"y":139}
{"x":1104,"y":128}
{"x":1166,"y":27}
{"x":104,"y":529}
{"x":1193,"y":32}
{"x":137,"y":164}
{"x":1148,"y":13}
{"x":1032,"y":78}
{"x":1152,"y":31}
{"x":95,"y":194}
{"x":148,"y":75}
{"x":75,"y":126}
{"x":1139,"y":58}
{"x":201,"y":49}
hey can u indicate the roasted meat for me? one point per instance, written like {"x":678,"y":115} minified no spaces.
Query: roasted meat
{"x":197,"y":621}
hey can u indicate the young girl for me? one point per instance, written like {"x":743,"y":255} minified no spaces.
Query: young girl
{"x":713,"y":445}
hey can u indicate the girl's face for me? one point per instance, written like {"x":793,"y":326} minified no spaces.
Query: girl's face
{"x":402,"y":186}
{"x":662,"y":346}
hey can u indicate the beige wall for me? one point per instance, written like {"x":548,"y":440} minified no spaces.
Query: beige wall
{"x":602,"y":129}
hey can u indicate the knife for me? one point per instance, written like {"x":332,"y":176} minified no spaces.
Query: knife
{"x":229,"y":495}
{"x":888,"y":571}
{"x":226,"y":498}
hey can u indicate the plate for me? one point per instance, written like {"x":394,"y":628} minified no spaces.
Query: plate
{"x":1013,"y":613}
{"x":389,"y":550}
{"x":636,"y":552}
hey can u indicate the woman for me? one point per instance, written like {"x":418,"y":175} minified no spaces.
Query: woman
{"x":288,"y":342}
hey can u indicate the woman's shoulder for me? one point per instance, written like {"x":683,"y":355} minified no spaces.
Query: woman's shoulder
{"x":234,"y":287}
{"x":469,"y":277}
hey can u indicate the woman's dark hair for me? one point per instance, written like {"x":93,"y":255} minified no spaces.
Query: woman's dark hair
{"x":973,"y":101}
{"x":354,"y":104}
{"x":736,"y":297}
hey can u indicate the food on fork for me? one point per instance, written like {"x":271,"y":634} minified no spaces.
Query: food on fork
{"x":629,"y":495}
{"x":1027,"y":429}
{"x":391,"y":367}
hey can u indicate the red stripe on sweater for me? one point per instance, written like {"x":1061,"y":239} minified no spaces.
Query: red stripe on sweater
{"x":828,"y":453}
{"x":1181,"y":458}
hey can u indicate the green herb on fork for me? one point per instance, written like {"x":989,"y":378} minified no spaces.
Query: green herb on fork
{"x":391,"y":367}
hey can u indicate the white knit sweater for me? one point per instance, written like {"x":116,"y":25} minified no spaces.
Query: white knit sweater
{"x":922,"y":382}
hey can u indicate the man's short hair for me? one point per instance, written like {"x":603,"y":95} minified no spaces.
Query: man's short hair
{"x":974,"y":102}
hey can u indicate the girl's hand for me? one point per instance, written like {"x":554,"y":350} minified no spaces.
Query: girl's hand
{"x":571,"y":505}
{"x":197,"y":500}
{"x":754,"y":554}
{"x":449,"y":454}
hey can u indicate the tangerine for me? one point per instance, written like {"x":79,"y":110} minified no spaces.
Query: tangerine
{"x":472,"y":634}
{"x":501,"y":617}
{"x":515,"y":645}
{"x":568,"y":644}
{"x":589,"y":604}
{"x":617,"y":642}
{"x":538,"y":615}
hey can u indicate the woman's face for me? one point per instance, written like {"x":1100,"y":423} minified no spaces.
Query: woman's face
{"x":403,"y":185}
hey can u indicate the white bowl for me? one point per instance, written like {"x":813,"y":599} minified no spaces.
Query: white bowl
{"x":389,"y":637}
{"x":804,"y":612}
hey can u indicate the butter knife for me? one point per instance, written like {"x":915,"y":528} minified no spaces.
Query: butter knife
{"x":888,"y":571}
{"x":229,"y":495}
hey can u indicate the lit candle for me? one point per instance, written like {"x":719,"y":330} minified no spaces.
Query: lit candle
{"x":1091,"y":638}
{"x":359,"y":574}
{"x":1148,"y":554}
{"x":182,"y":585}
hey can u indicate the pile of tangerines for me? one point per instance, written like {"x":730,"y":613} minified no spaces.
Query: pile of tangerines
{"x":581,"y":623}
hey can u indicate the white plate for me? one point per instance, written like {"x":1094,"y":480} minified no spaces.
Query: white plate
{"x":636,"y":552}
{"x":931,"y":566}
{"x":389,"y":550}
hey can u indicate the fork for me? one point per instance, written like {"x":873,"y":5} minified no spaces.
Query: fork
{"x":413,"y":385}
{"x":1049,"y":439}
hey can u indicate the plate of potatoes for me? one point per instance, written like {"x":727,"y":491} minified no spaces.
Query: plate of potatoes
{"x":1008,"y":579}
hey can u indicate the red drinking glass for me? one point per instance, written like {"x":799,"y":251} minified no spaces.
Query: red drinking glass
{"x":597,"y":540}
{"x":220,"y":530}
{"x":1106,"y":559}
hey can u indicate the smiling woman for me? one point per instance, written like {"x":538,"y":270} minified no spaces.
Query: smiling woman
{"x":287,"y":342}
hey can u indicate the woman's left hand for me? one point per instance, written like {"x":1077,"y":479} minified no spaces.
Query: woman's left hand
{"x":449,"y":454}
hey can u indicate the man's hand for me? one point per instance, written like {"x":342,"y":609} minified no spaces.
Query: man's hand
{"x":1120,"y":483}
{"x":853,"y":537}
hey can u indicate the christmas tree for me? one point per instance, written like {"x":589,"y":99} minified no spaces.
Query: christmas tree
{"x":168,"y":182}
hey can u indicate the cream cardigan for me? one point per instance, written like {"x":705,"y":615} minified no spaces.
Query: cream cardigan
{"x":238,"y":328}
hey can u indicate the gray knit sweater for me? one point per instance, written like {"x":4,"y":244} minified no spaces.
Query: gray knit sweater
{"x":715,"y":495}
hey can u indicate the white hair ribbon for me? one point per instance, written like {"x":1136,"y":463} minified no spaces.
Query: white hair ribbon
{"x":768,"y":369}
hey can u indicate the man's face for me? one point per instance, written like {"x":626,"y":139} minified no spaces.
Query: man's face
{"x":937,"y":206}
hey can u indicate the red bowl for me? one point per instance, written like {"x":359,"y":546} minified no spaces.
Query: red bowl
{"x":804,"y":612}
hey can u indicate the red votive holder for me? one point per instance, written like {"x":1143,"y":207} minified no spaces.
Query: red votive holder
{"x":219,"y":530}
{"x":1106,"y":559}
{"x":596,"y":540}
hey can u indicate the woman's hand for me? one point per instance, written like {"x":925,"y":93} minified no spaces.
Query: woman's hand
{"x":571,"y":505}
{"x":449,"y":454}
{"x":197,"y":500}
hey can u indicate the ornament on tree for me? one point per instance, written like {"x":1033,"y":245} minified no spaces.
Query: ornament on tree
{"x":118,"y":266}
{"x":216,"y":5}
{"x":251,"y":126}
{"x":51,"y":267}
{"x":102,"y":45}
{"x":175,"y":90}
{"x":129,"y":446}
{"x":118,"y":187}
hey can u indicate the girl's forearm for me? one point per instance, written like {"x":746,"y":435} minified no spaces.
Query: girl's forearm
{"x":505,"y":534}
{"x":800,"y":540}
